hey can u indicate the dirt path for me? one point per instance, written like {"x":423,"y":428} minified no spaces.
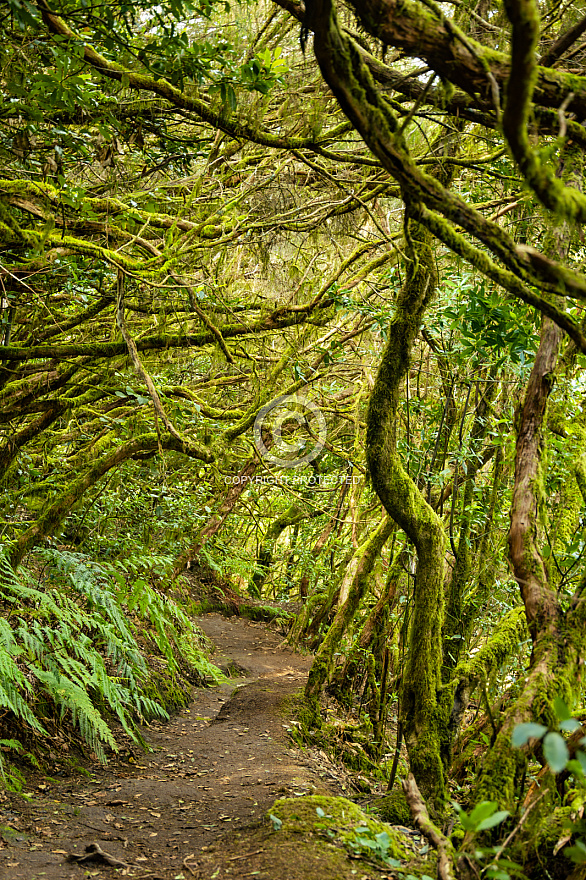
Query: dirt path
{"x":179,"y":811}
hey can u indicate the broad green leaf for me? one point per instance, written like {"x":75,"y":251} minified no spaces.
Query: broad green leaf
{"x":570,"y":724}
{"x":576,"y":768}
{"x":555,"y":751}
{"x":576,"y":853}
{"x":467,"y":824}
{"x":493,"y":820}
{"x":524,"y":732}
{"x":561,"y":709}
{"x":482,"y":811}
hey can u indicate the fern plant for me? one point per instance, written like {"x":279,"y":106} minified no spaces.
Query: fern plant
{"x":69,"y":643}
{"x":173,"y":631}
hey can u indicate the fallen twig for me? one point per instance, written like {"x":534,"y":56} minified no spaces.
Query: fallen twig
{"x":95,"y":853}
{"x":188,"y":867}
{"x":246,"y":855}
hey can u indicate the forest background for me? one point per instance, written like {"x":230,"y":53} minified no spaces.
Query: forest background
{"x":292,"y":301}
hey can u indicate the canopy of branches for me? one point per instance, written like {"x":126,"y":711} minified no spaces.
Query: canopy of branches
{"x":293,"y":292}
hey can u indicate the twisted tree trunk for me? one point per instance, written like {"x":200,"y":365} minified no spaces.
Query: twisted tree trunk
{"x":403,"y":501}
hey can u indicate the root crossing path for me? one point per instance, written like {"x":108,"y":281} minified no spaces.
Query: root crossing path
{"x":188,"y":808}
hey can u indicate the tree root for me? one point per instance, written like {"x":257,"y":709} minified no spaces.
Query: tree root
{"x":448,"y":867}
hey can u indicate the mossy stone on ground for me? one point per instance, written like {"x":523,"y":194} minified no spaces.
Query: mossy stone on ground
{"x":392,"y":807}
{"x":298,"y":843}
{"x":335,"y":817}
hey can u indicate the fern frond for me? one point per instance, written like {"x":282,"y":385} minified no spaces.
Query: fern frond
{"x":75,"y":700}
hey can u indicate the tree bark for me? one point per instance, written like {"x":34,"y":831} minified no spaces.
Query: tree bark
{"x":558,"y":637}
{"x":404,"y":502}
{"x":365,"y":556}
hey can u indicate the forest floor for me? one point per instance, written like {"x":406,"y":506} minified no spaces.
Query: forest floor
{"x":196,"y":805}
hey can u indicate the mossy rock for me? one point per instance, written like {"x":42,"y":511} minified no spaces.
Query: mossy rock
{"x":287,"y":856}
{"x":173,"y":694}
{"x":338,"y":818}
{"x":307,"y":716}
{"x":393,"y":808}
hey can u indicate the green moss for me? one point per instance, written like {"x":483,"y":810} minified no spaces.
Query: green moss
{"x":210,"y":231}
{"x":502,"y":773}
{"x":266,"y":613}
{"x":171,"y":692}
{"x":535,"y":850}
{"x":503,"y":642}
{"x":393,"y":808}
{"x":362,"y":564}
{"x":340,"y":816}
{"x":424,"y":722}
{"x":553,"y":673}
{"x":351,"y":747}
{"x":307,"y":715}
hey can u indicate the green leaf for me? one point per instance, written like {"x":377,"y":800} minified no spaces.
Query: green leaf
{"x":493,"y":820}
{"x":576,"y":853}
{"x":320,"y":812}
{"x":555,"y":751}
{"x":466,"y":823}
{"x":482,"y":811}
{"x":576,"y":768}
{"x":277,"y":823}
{"x":524,"y":732}
{"x":367,"y":842}
{"x":570,"y":724}
{"x":10,"y":744}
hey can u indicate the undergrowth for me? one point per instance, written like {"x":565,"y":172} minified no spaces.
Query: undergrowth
{"x":71,"y":650}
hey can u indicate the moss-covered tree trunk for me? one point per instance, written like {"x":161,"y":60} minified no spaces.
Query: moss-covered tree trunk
{"x":558,"y":631}
{"x":420,"y":714}
{"x":365,"y":557}
{"x":456,"y":631}
{"x":292,"y":516}
{"x":558,"y":636}
{"x":372,"y":637}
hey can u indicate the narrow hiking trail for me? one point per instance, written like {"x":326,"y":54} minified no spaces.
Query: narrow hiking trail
{"x":189,"y":807}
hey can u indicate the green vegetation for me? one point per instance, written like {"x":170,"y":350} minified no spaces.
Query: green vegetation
{"x":69,"y":649}
{"x":292,"y":327}
{"x":341,"y":820}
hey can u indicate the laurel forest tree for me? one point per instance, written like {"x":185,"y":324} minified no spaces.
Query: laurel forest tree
{"x":292,"y":327}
